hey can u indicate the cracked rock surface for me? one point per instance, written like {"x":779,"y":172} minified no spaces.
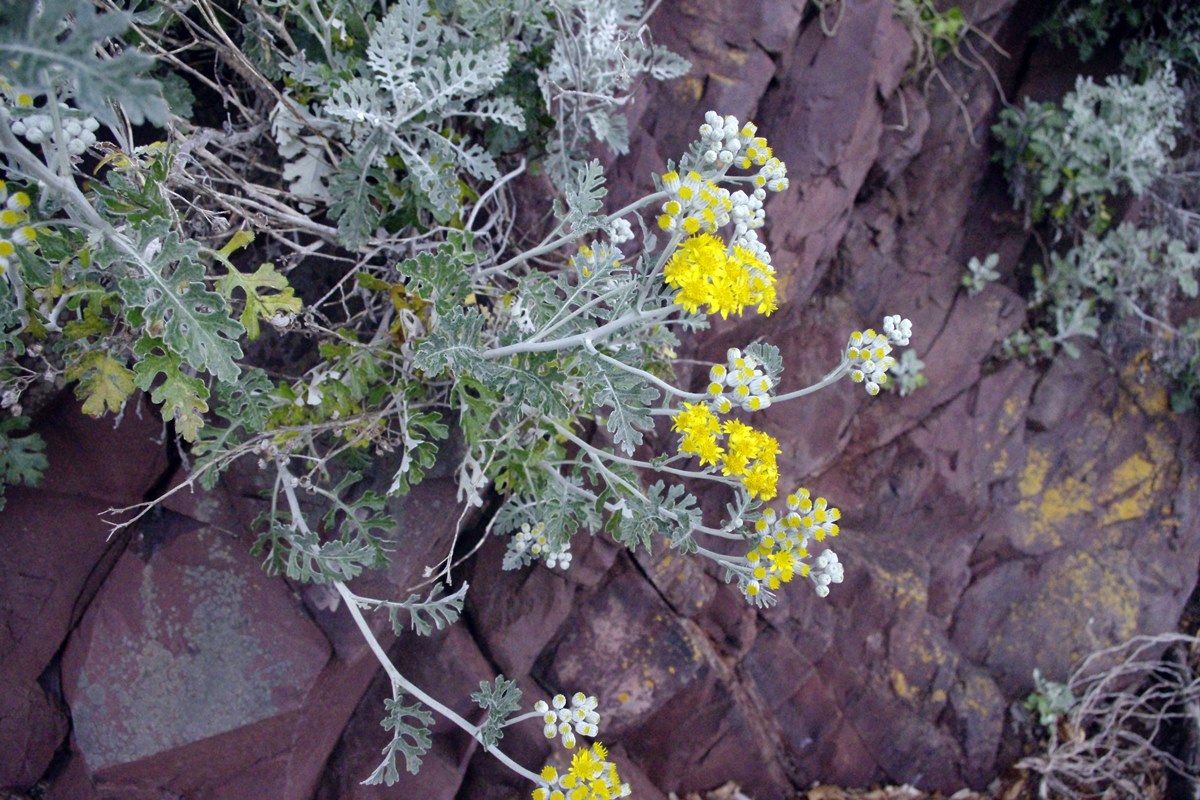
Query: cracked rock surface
{"x":1004,"y":517}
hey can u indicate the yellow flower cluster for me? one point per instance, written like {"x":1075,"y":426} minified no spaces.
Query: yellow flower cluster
{"x":591,"y":777}
{"x":748,"y":454}
{"x":700,"y":428}
{"x":726,"y":281}
{"x":751,"y":457}
{"x":695,"y":203}
{"x":780,"y":554}
{"x":13,"y":232}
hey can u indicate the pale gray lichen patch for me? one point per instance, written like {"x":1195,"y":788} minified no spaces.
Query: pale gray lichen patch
{"x":186,"y":655}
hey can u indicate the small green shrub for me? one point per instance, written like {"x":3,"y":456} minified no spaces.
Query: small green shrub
{"x":1068,"y":163}
{"x":1049,"y":700}
{"x":1073,"y":167}
{"x":980,"y":273}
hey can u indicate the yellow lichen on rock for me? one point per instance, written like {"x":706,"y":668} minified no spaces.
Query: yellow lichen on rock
{"x":1128,"y":492}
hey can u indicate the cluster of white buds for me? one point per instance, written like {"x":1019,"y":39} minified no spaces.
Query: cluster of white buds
{"x":897,"y":330}
{"x":11,"y":400}
{"x":772,"y":175}
{"x":14,"y":232}
{"x":79,"y":131}
{"x":719,"y":138}
{"x":723,"y":142}
{"x":620,"y":230}
{"x":747,"y":215}
{"x":739,"y":381}
{"x":560,"y":720}
{"x":534,"y":540}
{"x":868,"y":353}
{"x":826,"y":570}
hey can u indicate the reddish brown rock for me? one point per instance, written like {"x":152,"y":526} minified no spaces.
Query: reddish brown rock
{"x":1094,"y":542}
{"x":272,"y":704}
{"x":34,"y":727}
{"x":71,"y":780}
{"x":1002,"y":518}
{"x":113,"y":460}
{"x":515,"y":612}
{"x":178,"y":651}
{"x":627,"y":635}
{"x":56,"y":553}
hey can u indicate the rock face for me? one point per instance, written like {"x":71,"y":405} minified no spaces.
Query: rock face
{"x":55,"y":556}
{"x":183,"y":648}
{"x":1004,"y":517}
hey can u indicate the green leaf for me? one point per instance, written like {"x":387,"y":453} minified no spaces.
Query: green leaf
{"x":585,"y":198}
{"x":359,"y":195}
{"x":259,"y":304}
{"x":629,"y":397}
{"x":247,"y":404}
{"x":530,"y":380}
{"x":104,"y":382}
{"x":668,"y":512}
{"x":168,"y":286}
{"x":410,"y":739}
{"x":177,"y":93}
{"x":62,"y":41}
{"x":184,"y":398}
{"x":406,"y":34}
{"x":248,"y":400}
{"x":22,"y":458}
{"x":768,"y":356}
{"x":463,"y":74}
{"x":442,"y":276}
{"x":455,"y":346}
{"x":501,"y":700}
{"x":338,"y":560}
{"x":422,"y":431}
{"x":435,"y":611}
{"x":476,"y":403}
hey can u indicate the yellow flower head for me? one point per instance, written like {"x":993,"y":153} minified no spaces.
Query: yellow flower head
{"x":591,"y":777}
{"x":762,"y":479}
{"x":706,"y":274}
{"x":700,"y":428}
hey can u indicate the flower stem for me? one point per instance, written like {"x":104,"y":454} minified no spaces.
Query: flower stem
{"x":578,"y":339}
{"x":666,"y":387}
{"x":398,"y":680}
{"x":832,"y":377}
